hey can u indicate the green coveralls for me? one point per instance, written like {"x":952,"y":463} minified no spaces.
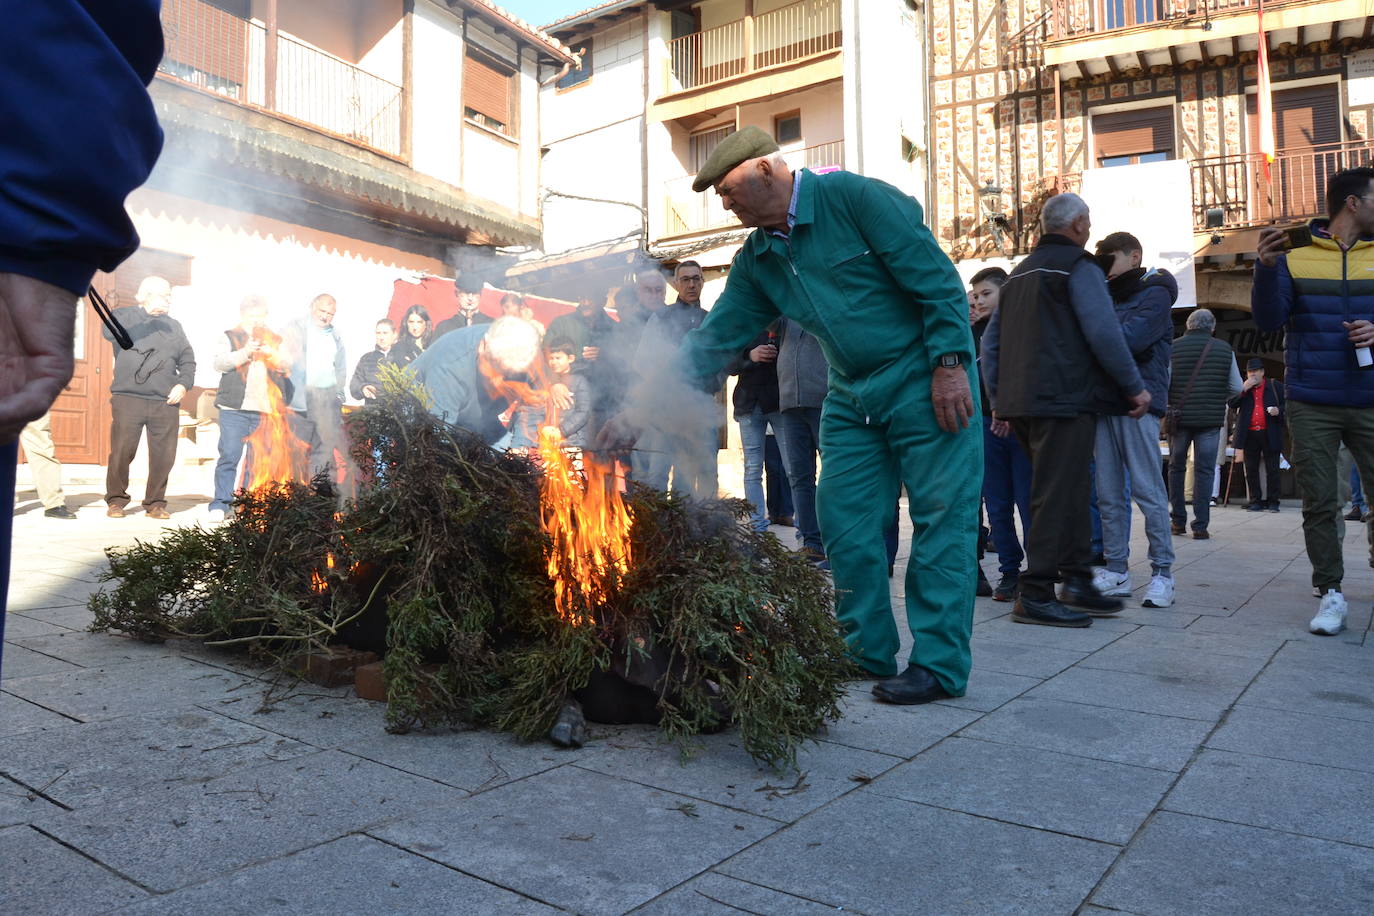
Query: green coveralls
{"x":863,"y":274}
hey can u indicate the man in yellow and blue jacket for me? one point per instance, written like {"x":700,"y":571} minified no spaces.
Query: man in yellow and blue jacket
{"x":1323,"y":296}
{"x":850,"y":260}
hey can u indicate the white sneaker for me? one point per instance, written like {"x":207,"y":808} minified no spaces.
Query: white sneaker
{"x":1330,"y":618}
{"x":216,"y":515}
{"x":1112,"y":584}
{"x":1160,"y":593}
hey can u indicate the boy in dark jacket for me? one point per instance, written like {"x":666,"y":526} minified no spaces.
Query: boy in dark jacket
{"x":1127,"y":449}
{"x":529,"y":419}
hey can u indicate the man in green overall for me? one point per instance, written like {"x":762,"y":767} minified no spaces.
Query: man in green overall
{"x":850,"y":260}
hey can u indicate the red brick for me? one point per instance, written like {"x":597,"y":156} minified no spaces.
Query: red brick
{"x":333,"y":666}
{"x":369,"y":682}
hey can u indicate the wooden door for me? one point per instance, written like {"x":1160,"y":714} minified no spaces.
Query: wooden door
{"x":81,"y":414}
{"x":1307,"y":134}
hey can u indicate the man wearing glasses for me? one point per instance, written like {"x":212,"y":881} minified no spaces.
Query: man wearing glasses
{"x":1322,"y":294}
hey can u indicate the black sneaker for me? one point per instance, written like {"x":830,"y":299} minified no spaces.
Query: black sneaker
{"x":1254,"y":507}
{"x":984,"y":589}
{"x":59,"y":512}
{"x":1048,"y":614}
{"x":1081,"y":593}
{"x":1007,"y":587}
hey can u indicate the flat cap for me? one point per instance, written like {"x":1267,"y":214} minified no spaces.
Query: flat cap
{"x":741,"y":146}
{"x":1254,"y":363}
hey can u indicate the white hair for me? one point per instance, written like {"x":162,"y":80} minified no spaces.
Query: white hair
{"x":152,"y":286}
{"x":1201,"y":320}
{"x":1061,"y":210}
{"x":512,"y":344}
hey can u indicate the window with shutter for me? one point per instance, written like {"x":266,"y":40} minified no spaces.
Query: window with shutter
{"x":207,"y":43}
{"x":488,"y":93}
{"x":1130,"y":137}
{"x":1307,"y":135}
{"x":700,"y":146}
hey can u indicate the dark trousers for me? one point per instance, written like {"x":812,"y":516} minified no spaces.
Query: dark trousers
{"x":1257,"y":448}
{"x":799,"y":437}
{"x":775,"y":484}
{"x":322,"y":410}
{"x":1006,"y":490}
{"x":1059,"y":544}
{"x":132,"y":416}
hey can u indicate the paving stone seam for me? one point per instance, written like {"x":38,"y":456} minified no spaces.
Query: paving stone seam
{"x":450,"y":867}
{"x":56,"y":712}
{"x":855,"y":747}
{"x":85,"y":855}
{"x":39,"y":620}
{"x":33,"y":792}
{"x":736,"y":906}
{"x":701,"y":798}
{"x":1173,"y":783}
{"x":1162,"y":715}
{"x":1002,"y":820}
{"x":1266,"y":828}
{"x":1251,"y":704}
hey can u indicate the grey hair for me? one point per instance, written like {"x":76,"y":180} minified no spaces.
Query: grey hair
{"x":1202,"y":320}
{"x":1061,"y":210}
{"x":512,"y":344}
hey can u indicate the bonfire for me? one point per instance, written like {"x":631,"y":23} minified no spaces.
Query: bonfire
{"x":499,"y":588}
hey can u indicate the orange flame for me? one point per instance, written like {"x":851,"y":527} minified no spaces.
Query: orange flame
{"x":278,"y":455}
{"x":582,"y":510}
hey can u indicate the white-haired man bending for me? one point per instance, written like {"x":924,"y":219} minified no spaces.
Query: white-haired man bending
{"x":1054,"y":357}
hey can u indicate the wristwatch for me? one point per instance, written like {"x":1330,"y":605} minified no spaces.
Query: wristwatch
{"x":950,"y":361}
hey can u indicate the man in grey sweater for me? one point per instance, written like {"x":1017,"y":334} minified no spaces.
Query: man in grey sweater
{"x":1054,"y":357}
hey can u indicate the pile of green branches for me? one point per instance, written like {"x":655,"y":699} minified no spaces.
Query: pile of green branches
{"x":439,"y":562}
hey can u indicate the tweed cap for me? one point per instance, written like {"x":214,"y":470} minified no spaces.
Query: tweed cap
{"x":741,"y":146}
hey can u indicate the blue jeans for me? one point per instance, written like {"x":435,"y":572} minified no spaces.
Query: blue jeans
{"x":799,"y":437}
{"x":1356,"y":493}
{"x":235,"y":426}
{"x":1204,"y":445}
{"x":1006,"y":490}
{"x":753,"y":429}
{"x":779,"y":491}
{"x":1093,"y":513}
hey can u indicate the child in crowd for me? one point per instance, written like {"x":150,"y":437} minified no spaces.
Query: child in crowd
{"x":572,"y":423}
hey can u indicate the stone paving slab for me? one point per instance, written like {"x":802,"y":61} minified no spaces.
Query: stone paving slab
{"x":1161,"y":694}
{"x":1162,"y":742}
{"x":474,"y":761}
{"x":1191,"y":666}
{"x":18,"y":716}
{"x":90,"y":764}
{"x":1087,"y":639}
{"x":1297,"y":736}
{"x":1020,"y":658}
{"x":875,"y":854}
{"x":354,"y":874}
{"x":165,"y":838}
{"x":1315,"y":689}
{"x":21,"y":662}
{"x":69,"y":617}
{"x":988,"y":690}
{"x":43,"y":877}
{"x":39,"y":590}
{"x":580,"y":840}
{"x":720,"y":771}
{"x":720,"y":895}
{"x":90,"y":694}
{"x":1318,"y":801}
{"x":1187,"y":865}
{"x":17,"y":626}
{"x":20,"y":805}
{"x":94,"y":650}
{"x":897,"y":730}
{"x":1094,"y":799}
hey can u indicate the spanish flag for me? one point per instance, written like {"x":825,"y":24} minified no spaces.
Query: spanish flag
{"x":1264,"y":103}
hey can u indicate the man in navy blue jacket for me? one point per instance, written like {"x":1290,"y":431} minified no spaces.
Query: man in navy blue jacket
{"x":80,"y":134}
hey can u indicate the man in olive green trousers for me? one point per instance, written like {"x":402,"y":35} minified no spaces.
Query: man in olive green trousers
{"x":849,"y":259}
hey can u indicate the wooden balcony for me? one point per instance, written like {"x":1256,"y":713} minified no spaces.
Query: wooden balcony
{"x":1294,"y":191}
{"x":754,"y":57}
{"x":252,"y":64}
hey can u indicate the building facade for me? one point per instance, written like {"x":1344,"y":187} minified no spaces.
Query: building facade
{"x":320,"y":146}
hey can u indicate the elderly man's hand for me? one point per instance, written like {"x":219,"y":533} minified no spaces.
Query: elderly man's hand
{"x":37,"y":323}
{"x":1139,"y":404}
{"x":950,"y":395}
{"x":618,"y":434}
{"x":560,"y":396}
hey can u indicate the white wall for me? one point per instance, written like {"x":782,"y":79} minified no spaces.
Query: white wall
{"x":491,"y":166}
{"x":592,"y":132}
{"x":436,"y":96}
{"x":884,"y":70}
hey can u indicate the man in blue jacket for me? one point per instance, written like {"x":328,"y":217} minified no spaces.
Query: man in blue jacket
{"x":1127,"y":448}
{"x":80,"y":134}
{"x":1323,"y":296}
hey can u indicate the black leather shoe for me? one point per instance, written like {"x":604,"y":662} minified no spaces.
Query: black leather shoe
{"x":1177,"y":528}
{"x":1048,"y":614}
{"x":1007,"y":588}
{"x":913,"y":686}
{"x":1200,"y":534}
{"x":984,"y":588}
{"x":1254,"y":507}
{"x":59,"y":512}
{"x":1081,"y":593}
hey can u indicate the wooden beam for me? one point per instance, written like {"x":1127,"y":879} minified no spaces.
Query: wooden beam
{"x":1368,"y":27}
{"x":1173,"y":56}
{"x":1111,"y":66}
{"x":1302,"y":36}
{"x":1082,"y":70}
{"x":270,"y":58}
{"x":1144,"y":64}
{"x":1235,"y":47}
{"x":407,"y":78}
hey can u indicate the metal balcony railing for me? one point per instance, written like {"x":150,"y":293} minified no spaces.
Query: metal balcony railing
{"x":1079,"y":18}
{"x":220,"y":53}
{"x":689,"y":211}
{"x":754,"y":43}
{"x":1295,"y":189}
